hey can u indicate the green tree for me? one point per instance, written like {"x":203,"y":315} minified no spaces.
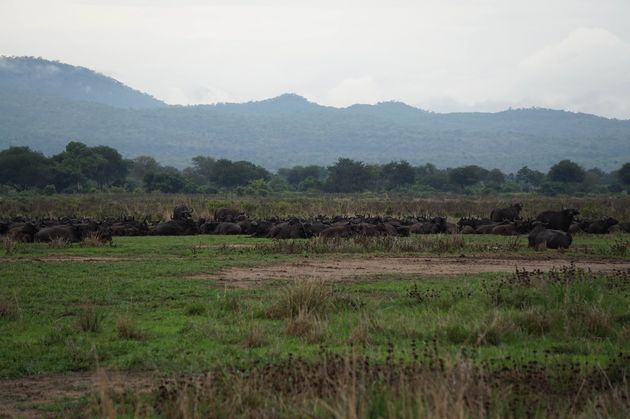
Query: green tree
{"x":397,"y":174}
{"x":495,"y":177}
{"x":623,"y":174}
{"x":348,"y":175}
{"x":566,"y":171}
{"x":168,"y":182}
{"x":466,"y":175}
{"x":23,"y":168}
{"x":530,"y":177}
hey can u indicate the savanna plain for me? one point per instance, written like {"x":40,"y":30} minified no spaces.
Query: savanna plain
{"x":437,"y":326}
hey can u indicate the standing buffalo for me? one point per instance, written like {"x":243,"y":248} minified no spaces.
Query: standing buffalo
{"x":506,"y":214}
{"x":558,"y":220}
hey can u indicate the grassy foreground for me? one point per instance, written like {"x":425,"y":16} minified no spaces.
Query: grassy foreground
{"x":476,"y":345}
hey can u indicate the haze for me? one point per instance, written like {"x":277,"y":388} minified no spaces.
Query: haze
{"x":444,"y":56}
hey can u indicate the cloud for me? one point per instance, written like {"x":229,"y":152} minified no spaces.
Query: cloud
{"x":354,"y":90}
{"x":587,"y":71}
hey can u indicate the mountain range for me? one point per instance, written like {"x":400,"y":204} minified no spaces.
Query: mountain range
{"x":45,"y":104}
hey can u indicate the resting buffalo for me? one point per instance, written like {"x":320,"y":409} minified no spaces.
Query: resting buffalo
{"x":434,"y":226}
{"x":601,"y":226}
{"x":74,"y":233}
{"x":22,"y":232}
{"x":227,"y":214}
{"x":175,"y":228}
{"x":228,"y":228}
{"x":506,"y":214}
{"x":337,"y":231}
{"x":558,"y":220}
{"x":291,"y":230}
{"x":472,"y":222}
{"x":129,"y":228}
{"x":551,"y":239}
{"x":182,"y":212}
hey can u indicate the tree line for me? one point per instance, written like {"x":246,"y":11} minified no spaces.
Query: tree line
{"x":80,"y":168}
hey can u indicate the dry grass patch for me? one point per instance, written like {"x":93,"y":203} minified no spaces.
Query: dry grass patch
{"x":255,"y":338}
{"x":126,"y":328}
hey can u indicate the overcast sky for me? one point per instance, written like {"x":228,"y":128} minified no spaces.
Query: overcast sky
{"x":442,"y":55}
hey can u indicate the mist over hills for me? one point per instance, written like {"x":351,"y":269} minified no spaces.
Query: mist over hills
{"x":45,"y":104}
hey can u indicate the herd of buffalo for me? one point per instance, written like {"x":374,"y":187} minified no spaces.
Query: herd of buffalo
{"x":551,"y":229}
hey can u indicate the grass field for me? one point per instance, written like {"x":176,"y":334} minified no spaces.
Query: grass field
{"x":169,"y":326}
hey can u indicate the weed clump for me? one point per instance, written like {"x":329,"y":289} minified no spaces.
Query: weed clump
{"x":255,"y":338}
{"x":195,"y":309}
{"x":308,"y":296}
{"x":126,"y":328}
{"x":90,"y":319}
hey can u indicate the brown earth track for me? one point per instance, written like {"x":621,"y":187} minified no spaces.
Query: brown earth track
{"x":366,"y":267}
{"x":25,"y":397}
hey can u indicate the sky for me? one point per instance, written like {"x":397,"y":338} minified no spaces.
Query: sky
{"x":439,"y":55}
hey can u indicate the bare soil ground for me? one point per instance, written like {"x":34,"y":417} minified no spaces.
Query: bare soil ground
{"x":362,"y":268}
{"x":28,"y":397}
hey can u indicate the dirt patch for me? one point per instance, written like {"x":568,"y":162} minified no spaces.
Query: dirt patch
{"x":25,"y":397}
{"x":356,"y":268}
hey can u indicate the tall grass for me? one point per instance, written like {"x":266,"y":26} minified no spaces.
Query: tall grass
{"x":157,"y":206}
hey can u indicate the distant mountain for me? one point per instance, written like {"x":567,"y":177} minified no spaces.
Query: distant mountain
{"x":289,"y":130}
{"x":76,"y":83}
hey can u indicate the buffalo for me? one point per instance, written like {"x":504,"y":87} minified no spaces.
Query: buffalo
{"x":558,"y":220}
{"x":506,"y":214}
{"x":601,"y":226}
{"x":293,"y":229}
{"x":227,"y":214}
{"x":541,"y":237}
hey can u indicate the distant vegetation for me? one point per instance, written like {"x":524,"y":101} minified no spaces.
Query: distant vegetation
{"x":80,"y":168}
{"x":43,"y":104}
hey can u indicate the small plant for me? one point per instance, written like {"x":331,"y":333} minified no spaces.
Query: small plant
{"x":58,"y":243}
{"x":620,"y":247}
{"x":255,"y":338}
{"x":195,"y":309}
{"x":89,"y":319}
{"x":92,"y":240}
{"x":10,"y":246}
{"x":126,"y":328}
{"x":311,"y":296}
{"x":8,"y":309}
{"x":306,"y":327}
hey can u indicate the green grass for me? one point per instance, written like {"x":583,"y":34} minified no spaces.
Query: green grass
{"x":137,"y":309}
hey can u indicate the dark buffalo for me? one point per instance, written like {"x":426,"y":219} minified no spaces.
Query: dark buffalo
{"x":434,"y":226}
{"x":506,"y":214}
{"x":175,"y":228}
{"x":182,"y":212}
{"x":69,"y":233}
{"x":601,"y":226}
{"x":558,"y":220}
{"x":541,"y":237}
{"x":22,"y":232}
{"x":227,"y":214}
{"x":291,"y":230}
{"x":228,"y":228}
{"x":344,"y":231}
{"x":472,"y":222}
{"x":129,"y":228}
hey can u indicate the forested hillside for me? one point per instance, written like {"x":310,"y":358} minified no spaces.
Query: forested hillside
{"x":289,"y":130}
